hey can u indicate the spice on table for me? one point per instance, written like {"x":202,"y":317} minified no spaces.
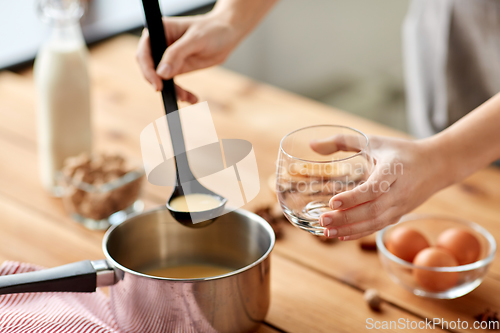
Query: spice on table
{"x":373,"y":299}
{"x":489,"y":317}
{"x":325,"y":239}
{"x":368,"y":243}
{"x":273,"y":218}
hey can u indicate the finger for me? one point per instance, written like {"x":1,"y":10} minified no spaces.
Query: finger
{"x":339,"y":142}
{"x":354,"y":237}
{"x":175,"y":27}
{"x":364,"y":212}
{"x":146,"y":63}
{"x":173,"y":58}
{"x":362,"y":227}
{"x":379,"y":182}
{"x":195,"y":61}
{"x":185,"y":95}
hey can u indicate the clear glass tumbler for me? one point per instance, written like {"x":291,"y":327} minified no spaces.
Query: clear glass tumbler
{"x":314,"y":164}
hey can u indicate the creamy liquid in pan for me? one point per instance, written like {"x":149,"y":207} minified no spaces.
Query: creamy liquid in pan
{"x":192,"y":203}
{"x":189,"y":271}
{"x":196,"y":202}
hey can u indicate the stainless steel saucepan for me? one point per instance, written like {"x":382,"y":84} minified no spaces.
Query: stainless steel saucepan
{"x":234,"y":302}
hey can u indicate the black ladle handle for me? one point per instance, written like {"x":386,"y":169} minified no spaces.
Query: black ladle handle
{"x":83,"y":276}
{"x":158,"y":41}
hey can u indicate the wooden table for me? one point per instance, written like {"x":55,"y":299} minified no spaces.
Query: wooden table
{"x":316,"y":287}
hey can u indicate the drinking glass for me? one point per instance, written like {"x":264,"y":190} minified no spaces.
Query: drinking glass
{"x":307,"y":179}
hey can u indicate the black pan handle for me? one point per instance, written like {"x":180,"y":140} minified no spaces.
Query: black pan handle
{"x":158,"y":42}
{"x":83,"y":276}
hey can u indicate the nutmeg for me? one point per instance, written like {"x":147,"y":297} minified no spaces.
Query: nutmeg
{"x":276,"y":222}
{"x":373,"y":299}
{"x":368,"y":243}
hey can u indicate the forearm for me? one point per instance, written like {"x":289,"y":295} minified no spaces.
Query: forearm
{"x":243,"y":14}
{"x":470,"y":144}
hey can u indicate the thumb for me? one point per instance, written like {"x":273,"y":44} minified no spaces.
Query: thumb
{"x":339,"y":142}
{"x":175,"y":55}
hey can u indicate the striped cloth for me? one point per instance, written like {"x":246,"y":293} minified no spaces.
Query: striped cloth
{"x":53,"y":312}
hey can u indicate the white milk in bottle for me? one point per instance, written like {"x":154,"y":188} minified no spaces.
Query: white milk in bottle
{"x":63,"y":92}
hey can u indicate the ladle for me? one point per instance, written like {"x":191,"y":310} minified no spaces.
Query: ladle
{"x":186,"y":183}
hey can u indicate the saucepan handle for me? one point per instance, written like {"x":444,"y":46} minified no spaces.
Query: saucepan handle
{"x":83,"y":276}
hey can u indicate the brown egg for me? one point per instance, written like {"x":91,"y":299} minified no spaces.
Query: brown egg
{"x":460,"y":243}
{"x":435,"y":281}
{"x":405,"y":243}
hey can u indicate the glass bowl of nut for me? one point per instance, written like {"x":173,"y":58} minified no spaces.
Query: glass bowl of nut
{"x":101,"y":189}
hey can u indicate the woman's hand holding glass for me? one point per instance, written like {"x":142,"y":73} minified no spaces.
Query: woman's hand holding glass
{"x":309,"y":175}
{"x":405,"y":174}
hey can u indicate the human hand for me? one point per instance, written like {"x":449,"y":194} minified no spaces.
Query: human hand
{"x":146,"y":64}
{"x":405,"y":174}
{"x":195,"y":42}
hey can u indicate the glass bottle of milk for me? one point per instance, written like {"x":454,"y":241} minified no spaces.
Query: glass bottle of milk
{"x":63,"y":90}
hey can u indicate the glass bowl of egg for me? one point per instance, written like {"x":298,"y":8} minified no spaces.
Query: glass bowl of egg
{"x":436,"y":256}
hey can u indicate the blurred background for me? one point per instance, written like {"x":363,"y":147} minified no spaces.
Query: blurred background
{"x":345,"y":53}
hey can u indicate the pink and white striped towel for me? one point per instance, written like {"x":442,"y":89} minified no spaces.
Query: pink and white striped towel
{"x":53,"y":312}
